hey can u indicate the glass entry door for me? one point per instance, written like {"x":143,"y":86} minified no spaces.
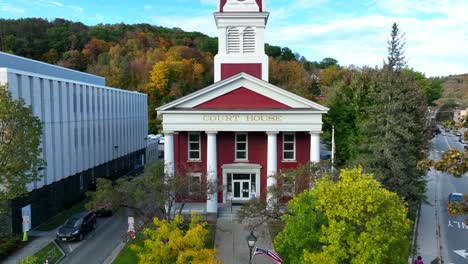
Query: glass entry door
{"x":241,"y":186}
{"x":241,"y":189}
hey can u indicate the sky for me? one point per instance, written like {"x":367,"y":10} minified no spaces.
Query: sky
{"x":354,"y":32}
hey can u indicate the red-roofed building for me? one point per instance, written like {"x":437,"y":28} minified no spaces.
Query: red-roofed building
{"x":241,"y":129}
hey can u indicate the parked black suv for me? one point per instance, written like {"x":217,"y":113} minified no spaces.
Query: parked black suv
{"x":77,"y":226}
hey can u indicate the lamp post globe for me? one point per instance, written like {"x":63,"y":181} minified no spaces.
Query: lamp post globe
{"x":251,"y":240}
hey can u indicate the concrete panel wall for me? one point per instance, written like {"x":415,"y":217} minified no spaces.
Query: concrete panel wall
{"x":85,"y":125}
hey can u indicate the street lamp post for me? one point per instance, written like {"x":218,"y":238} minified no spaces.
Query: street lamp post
{"x":251,"y":240}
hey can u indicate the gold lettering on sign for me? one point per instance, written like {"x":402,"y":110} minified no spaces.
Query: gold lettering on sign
{"x":246,"y":118}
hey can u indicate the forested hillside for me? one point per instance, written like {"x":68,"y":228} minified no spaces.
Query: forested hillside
{"x":165,"y":63}
{"x":455,"y":91}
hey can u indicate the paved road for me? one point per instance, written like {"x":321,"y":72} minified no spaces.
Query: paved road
{"x":453,"y":234}
{"x":99,"y":244}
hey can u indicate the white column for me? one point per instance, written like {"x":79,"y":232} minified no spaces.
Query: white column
{"x":315,"y":147}
{"x":212,"y":173}
{"x":272,"y":161}
{"x":169,"y":153}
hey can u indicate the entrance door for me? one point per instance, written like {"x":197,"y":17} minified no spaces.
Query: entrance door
{"x":241,"y":190}
{"x":241,"y":186}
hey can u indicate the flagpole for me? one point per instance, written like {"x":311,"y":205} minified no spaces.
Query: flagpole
{"x":333,"y":149}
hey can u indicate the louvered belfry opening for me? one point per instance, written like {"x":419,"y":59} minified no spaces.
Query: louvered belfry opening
{"x":249,"y":40}
{"x":233,"y":39}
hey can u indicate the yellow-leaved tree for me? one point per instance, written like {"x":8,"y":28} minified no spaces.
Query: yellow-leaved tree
{"x":172,"y":242}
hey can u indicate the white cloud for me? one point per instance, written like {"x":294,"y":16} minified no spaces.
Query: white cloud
{"x":10,"y":8}
{"x":148,"y":7}
{"x":55,"y":3}
{"x":435,"y":44}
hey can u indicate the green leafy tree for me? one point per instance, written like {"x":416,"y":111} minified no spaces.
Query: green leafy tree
{"x":170,"y":242}
{"x":302,"y":230}
{"x":365,"y":222}
{"x":347,"y":102}
{"x":431,"y":88}
{"x":20,"y":139}
{"x":291,"y":183}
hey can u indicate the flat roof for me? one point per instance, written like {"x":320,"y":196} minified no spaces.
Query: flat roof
{"x":28,"y":65}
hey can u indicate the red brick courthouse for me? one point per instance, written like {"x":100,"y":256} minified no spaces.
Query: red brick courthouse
{"x":241,"y":129}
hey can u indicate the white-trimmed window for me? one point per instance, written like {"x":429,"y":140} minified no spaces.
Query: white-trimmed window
{"x":194,"y":147}
{"x":289,"y":146}
{"x":242,"y":146}
{"x":194,"y":183}
{"x":289,"y":186}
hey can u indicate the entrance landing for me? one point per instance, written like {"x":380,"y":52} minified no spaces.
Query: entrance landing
{"x":231,"y":238}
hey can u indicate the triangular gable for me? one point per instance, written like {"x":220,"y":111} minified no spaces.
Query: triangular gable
{"x":253,"y":84}
{"x":242,"y":98}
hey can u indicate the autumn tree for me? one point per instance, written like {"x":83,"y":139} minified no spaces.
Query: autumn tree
{"x":170,"y":242}
{"x":453,"y":161}
{"x":365,"y":223}
{"x":20,"y":139}
{"x":152,"y":194}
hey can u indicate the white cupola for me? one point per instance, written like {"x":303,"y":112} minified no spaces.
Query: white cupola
{"x":241,"y":26}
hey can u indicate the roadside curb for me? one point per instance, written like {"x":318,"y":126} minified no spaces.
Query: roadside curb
{"x":415,"y":234}
{"x":61,"y":250}
{"x":114,"y":253}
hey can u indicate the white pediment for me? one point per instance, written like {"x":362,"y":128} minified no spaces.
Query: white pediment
{"x":246,"y":81}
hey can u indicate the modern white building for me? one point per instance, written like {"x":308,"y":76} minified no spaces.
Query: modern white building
{"x":89,"y":131}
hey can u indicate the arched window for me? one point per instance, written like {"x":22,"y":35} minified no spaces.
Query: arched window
{"x":249,"y":40}
{"x":233,"y":41}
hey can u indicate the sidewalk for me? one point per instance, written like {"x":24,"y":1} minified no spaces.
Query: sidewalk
{"x":43,"y":238}
{"x":231,"y":240}
{"x":428,"y":227}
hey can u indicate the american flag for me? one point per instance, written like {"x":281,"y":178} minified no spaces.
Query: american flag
{"x":269,"y":253}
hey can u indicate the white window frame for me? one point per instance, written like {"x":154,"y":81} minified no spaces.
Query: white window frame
{"x":289,"y":188}
{"x":289,"y":151}
{"x":191,"y":150}
{"x":246,"y":147}
{"x":189,"y":183}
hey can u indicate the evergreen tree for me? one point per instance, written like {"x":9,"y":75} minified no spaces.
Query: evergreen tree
{"x":396,"y":44}
{"x":396,"y":132}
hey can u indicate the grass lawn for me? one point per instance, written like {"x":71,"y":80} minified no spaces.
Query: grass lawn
{"x":60,"y":218}
{"x":210,"y":239}
{"x":127,"y":255}
{"x":51,"y":252}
